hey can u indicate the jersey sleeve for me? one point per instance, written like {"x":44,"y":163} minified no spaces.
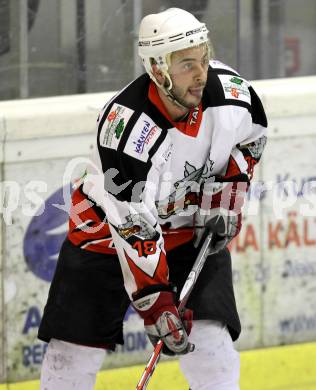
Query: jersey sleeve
{"x":130,"y":160}
{"x":250,"y":138}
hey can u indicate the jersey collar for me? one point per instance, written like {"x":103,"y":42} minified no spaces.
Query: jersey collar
{"x":189,"y":126}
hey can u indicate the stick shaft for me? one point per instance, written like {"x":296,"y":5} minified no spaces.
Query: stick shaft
{"x":184,"y":296}
{"x":195,"y":272}
{"x":150,"y":367}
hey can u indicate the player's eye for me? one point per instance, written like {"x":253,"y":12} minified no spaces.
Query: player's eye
{"x":188,"y":66}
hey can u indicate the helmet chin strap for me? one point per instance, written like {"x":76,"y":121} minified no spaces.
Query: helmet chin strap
{"x":167,"y":91}
{"x":174,"y":100}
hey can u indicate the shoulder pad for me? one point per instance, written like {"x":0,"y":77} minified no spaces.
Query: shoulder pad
{"x":226,"y":86}
{"x":215,"y":64}
{"x":121,"y":112}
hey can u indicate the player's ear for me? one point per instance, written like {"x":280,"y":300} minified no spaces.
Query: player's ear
{"x":157,"y":72}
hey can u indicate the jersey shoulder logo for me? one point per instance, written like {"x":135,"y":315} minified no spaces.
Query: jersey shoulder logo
{"x":114,"y":126}
{"x":142,"y":138}
{"x":235,"y":88}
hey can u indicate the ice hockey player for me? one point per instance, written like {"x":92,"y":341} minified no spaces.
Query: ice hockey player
{"x":175,"y":154}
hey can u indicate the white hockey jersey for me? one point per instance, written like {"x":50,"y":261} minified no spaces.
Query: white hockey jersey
{"x":149,"y":170}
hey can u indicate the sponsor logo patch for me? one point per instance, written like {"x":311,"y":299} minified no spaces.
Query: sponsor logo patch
{"x":142,"y":138}
{"x":235,"y":88}
{"x":114,"y":126}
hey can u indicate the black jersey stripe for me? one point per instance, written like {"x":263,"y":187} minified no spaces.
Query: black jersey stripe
{"x":257,"y":111}
{"x":157,"y":144}
{"x":91,"y":240}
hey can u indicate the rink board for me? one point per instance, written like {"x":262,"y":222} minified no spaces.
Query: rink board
{"x":274,"y":258}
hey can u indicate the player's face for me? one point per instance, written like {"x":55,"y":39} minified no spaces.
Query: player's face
{"x":188,"y":72}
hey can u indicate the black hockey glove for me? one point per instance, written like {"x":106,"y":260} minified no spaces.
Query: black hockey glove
{"x":220,"y":209}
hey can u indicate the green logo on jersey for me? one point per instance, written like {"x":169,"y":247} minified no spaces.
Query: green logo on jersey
{"x":119,"y":128}
{"x":236,"y":80}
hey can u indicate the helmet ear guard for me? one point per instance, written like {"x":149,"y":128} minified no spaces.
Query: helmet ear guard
{"x":164,"y":33}
{"x":167,"y":85}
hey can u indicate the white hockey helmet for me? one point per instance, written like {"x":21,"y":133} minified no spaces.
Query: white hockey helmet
{"x":168,"y":31}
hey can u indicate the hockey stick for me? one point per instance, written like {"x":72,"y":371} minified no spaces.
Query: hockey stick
{"x":184,"y":296}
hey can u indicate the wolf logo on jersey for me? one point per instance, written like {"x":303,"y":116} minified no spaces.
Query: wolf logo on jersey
{"x":186,"y":190}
